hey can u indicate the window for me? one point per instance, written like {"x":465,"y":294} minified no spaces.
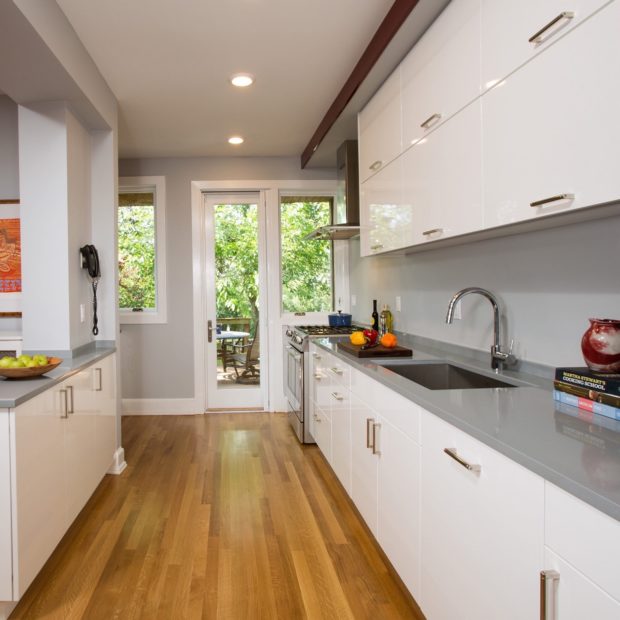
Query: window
{"x":307,"y":265}
{"x":141,"y":250}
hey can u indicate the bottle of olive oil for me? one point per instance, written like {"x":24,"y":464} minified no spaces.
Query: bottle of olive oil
{"x":375,"y":316}
{"x":385,"y":321}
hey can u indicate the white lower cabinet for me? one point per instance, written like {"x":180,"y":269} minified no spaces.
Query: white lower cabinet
{"x":323,"y":432}
{"x":482,"y":531}
{"x":6,"y":569}
{"x":62,"y":442}
{"x":341,"y":435}
{"x":582,"y":547}
{"x":550,"y":141}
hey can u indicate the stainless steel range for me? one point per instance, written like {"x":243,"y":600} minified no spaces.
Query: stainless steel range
{"x":296,"y":369}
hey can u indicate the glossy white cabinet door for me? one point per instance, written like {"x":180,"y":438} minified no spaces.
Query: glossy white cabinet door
{"x":574,"y":596}
{"x":443,"y":179}
{"x":364,"y":464}
{"x":39,"y":494}
{"x":379,"y":130}
{"x":341,"y":435}
{"x":441,"y":74}
{"x":323,"y":433}
{"x":551,"y":129}
{"x":103,"y":385}
{"x":6,"y":568}
{"x":507,"y":27}
{"x":482,"y":542}
{"x":324,"y":382}
{"x":386,"y":219}
{"x":398,"y":529}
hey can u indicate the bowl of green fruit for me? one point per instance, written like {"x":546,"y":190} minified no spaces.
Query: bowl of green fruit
{"x":27,"y":366}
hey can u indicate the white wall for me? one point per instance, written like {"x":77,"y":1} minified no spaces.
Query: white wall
{"x":9,"y":169}
{"x":550,"y":282}
{"x":147,"y":350}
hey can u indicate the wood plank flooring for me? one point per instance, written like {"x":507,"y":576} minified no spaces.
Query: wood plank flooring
{"x":219,"y":516}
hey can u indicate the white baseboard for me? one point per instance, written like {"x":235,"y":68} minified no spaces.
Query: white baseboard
{"x":119,"y":463}
{"x":161,"y":406}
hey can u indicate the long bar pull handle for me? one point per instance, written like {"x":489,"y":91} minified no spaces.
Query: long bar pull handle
{"x":65,"y":412}
{"x":432,"y":231}
{"x":375,"y":450}
{"x":71,"y":408}
{"x":337,"y":396}
{"x":536,"y":38}
{"x":544,"y":201}
{"x":369,"y":421}
{"x":376,"y":165}
{"x":430,"y":121}
{"x":451,"y":452}
{"x":546,"y":577}
{"x":210,"y":330}
{"x":99,"y":387}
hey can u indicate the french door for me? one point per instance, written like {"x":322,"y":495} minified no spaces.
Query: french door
{"x":235,"y":300}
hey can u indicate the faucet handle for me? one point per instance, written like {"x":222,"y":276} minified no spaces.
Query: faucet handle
{"x":512,"y":344}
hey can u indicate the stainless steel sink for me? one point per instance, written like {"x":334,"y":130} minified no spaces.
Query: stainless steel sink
{"x":444,"y":376}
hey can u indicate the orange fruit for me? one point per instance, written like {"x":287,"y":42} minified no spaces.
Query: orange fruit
{"x":389,"y":341}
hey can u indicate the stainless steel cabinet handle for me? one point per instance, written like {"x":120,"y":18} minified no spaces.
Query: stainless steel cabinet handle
{"x":369,"y":421}
{"x":536,"y":38}
{"x":316,"y":418}
{"x":337,"y":396}
{"x":432,"y":231}
{"x":317,"y":376}
{"x":99,"y":387}
{"x":336,"y":370}
{"x":430,"y":121}
{"x":375,"y":450}
{"x":451,"y":452}
{"x":65,"y":412}
{"x":376,"y":165}
{"x":316,"y":356}
{"x":378,"y":246}
{"x":546,"y":577}
{"x":210,"y":330}
{"x":544,"y":201}
{"x":70,"y":409}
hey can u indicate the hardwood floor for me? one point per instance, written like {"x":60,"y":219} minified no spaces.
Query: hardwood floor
{"x":219,"y":516}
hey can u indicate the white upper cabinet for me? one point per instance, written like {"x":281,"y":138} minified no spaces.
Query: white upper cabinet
{"x":379,"y":130}
{"x":514,"y":32}
{"x":442,"y":179}
{"x":442,"y":73}
{"x":551,"y":140}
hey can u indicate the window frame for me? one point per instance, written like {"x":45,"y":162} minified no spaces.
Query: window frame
{"x":311,"y":315}
{"x":157,"y":185}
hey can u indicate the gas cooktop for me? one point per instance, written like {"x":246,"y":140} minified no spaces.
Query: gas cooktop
{"x":326,"y":330}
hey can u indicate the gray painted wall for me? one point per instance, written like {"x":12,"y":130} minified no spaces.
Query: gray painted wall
{"x":9,"y":153}
{"x":550,"y":283}
{"x":157,"y":360}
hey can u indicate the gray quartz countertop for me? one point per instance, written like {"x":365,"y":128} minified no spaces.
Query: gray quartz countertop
{"x":576,"y":450}
{"x":16,"y":391}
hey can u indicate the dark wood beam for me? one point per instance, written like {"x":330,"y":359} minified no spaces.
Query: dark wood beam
{"x":394,"y":19}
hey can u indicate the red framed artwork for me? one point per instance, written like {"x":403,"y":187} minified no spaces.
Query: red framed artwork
{"x":10,"y":257}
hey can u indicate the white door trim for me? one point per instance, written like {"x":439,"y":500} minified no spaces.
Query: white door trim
{"x":274,"y":396}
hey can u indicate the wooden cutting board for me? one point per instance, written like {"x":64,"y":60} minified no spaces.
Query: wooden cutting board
{"x":378,"y":351}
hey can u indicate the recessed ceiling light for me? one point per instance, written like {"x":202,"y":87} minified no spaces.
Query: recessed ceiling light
{"x":235,"y":140}
{"x":242,"y":80}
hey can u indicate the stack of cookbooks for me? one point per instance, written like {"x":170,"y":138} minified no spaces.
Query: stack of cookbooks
{"x":597,"y":392}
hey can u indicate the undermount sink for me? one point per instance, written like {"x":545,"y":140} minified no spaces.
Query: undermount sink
{"x":444,"y":376}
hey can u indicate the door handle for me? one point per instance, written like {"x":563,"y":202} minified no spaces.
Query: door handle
{"x":70,"y":408}
{"x":210,"y":330}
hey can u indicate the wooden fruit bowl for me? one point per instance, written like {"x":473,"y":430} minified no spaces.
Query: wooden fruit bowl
{"x":29,"y":373}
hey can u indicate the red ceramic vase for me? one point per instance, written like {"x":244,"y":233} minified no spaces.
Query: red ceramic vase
{"x":600,"y":345}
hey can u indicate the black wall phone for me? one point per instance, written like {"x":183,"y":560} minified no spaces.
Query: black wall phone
{"x":90,"y":261}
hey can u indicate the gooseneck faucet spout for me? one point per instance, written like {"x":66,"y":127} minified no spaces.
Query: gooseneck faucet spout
{"x":498,"y":357}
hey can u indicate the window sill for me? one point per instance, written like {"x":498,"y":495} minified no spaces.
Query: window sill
{"x":138,"y":318}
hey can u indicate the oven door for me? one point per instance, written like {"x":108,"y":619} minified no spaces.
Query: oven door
{"x":294,"y":377}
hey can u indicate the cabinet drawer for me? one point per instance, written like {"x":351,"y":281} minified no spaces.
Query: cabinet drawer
{"x":585,"y":537}
{"x":508,"y":26}
{"x":323,"y":433}
{"x":379,"y":128}
{"x":340,"y":373}
{"x":441,"y":74}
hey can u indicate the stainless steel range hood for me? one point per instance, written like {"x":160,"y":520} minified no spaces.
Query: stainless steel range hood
{"x":346,"y":214}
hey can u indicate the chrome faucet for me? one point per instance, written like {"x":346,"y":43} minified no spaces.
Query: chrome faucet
{"x":498,"y":357}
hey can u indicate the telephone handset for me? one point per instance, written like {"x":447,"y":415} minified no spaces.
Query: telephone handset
{"x":90,"y":261}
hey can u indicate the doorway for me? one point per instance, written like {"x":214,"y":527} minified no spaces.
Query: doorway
{"x":234,"y":272}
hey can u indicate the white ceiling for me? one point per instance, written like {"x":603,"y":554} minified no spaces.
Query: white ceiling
{"x":168,"y":63}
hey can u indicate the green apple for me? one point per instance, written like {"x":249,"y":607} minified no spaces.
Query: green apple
{"x":25,"y":358}
{"x":17,"y":363}
{"x":5,"y":362}
{"x":41,"y":360}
